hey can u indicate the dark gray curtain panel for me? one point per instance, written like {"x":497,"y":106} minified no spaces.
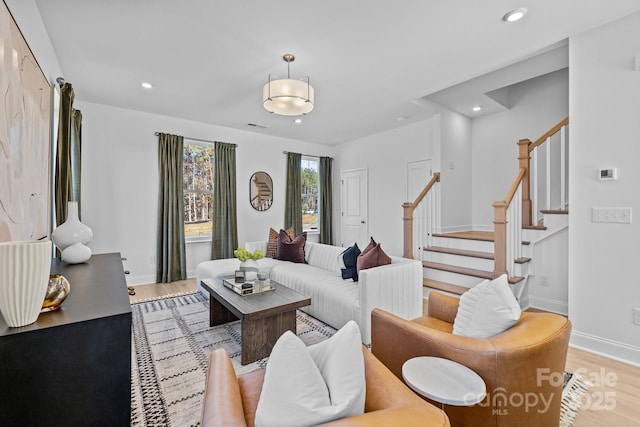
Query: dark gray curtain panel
{"x":293,"y":195}
{"x":225,"y":223}
{"x":68,"y":155}
{"x":170,"y":258}
{"x":326,"y":200}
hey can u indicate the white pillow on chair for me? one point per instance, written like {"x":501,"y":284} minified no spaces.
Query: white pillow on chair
{"x":487,"y":309}
{"x":305,"y":386}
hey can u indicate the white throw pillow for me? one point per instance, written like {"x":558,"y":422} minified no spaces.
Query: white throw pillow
{"x":305,"y":386}
{"x":487,"y":309}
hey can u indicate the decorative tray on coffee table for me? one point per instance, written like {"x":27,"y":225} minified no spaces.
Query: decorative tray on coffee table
{"x":250,"y":287}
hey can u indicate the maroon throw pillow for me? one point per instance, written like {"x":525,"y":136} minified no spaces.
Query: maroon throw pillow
{"x":291,"y":249}
{"x":371,"y":245}
{"x":375,"y":257}
{"x":272,"y":244}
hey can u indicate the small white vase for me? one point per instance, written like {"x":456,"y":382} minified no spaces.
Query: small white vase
{"x":72,"y":230}
{"x":76,"y":253}
{"x":24,"y":278}
{"x":250,"y":268}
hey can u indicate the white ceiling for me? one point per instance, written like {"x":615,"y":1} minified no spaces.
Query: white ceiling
{"x":369,"y":61}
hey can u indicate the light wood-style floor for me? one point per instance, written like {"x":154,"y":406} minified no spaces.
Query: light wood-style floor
{"x":613,"y":400}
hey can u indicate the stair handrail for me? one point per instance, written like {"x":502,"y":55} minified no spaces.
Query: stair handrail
{"x":409,"y":208}
{"x":549,"y":134}
{"x":508,"y":238}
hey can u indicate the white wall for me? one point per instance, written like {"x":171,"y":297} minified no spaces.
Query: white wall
{"x":455,"y":172}
{"x":605,"y":130}
{"x":120,"y":181}
{"x":536,"y":105}
{"x":385,"y":155}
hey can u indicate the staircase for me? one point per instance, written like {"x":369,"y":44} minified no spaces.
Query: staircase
{"x":530,"y":212}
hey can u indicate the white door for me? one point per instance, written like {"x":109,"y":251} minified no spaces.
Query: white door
{"x":355,"y":222}
{"x":418,"y":176}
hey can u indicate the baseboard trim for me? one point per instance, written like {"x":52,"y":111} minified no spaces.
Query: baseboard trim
{"x":147,"y":279}
{"x":604,"y":347}
{"x":477,"y":227}
{"x":144,"y":279}
{"x":547,"y":304}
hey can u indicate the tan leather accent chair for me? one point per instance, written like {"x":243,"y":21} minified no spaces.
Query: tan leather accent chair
{"x":232,"y":401}
{"x":522,"y":367}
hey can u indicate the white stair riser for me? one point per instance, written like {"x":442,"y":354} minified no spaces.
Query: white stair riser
{"x":426,"y":291}
{"x":461,"y":261}
{"x":453,"y":278}
{"x":470,"y":245}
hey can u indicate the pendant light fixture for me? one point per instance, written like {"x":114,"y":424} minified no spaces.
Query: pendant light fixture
{"x":288,"y":97}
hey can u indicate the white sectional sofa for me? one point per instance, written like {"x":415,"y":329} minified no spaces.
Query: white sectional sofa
{"x":396,"y":288}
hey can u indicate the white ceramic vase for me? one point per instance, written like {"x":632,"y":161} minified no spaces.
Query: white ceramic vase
{"x":76,"y":253}
{"x":24,"y":278}
{"x":250,"y":268}
{"x":70,"y":233}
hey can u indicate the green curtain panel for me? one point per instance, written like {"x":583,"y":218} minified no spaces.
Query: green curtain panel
{"x":76,"y":157}
{"x":67,"y":155}
{"x":326,"y":200}
{"x":170,"y":258}
{"x":293,"y":196}
{"x":225,"y":222}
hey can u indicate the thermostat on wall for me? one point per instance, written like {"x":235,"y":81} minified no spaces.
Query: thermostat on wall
{"x":608,"y":174}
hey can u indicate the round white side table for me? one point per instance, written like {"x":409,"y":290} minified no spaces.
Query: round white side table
{"x":444,"y":381}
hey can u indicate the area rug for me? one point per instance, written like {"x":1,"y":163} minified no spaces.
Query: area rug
{"x":172,"y":341}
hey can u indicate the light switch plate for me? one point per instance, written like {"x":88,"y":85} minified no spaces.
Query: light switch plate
{"x":611,"y":215}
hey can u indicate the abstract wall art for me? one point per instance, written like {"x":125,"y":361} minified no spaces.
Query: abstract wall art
{"x":25,"y":142}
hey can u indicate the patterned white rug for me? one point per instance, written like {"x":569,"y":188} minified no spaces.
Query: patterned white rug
{"x":172,"y":341}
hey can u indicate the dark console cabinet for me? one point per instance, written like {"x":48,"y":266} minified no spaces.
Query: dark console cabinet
{"x":73,"y":366}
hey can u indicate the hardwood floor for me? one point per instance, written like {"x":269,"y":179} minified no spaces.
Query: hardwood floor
{"x":162,"y":290}
{"x":613,"y":400}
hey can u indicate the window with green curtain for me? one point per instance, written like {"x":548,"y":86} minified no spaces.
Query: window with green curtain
{"x":170,"y":258}
{"x":225,"y":227}
{"x":293,"y":195}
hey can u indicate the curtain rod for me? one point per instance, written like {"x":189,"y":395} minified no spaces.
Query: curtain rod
{"x":305,"y":155}
{"x":198,"y":139}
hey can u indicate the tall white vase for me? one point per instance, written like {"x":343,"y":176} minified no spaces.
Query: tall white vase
{"x":71,"y":232}
{"x":24,"y":277}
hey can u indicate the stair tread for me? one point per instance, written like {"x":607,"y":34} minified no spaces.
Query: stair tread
{"x":555,"y":212}
{"x":485,"y":236}
{"x":461,"y":252}
{"x":444,"y":286}
{"x":534,"y":227}
{"x":483,"y":274}
{"x":522,"y":260}
{"x":460,"y":270}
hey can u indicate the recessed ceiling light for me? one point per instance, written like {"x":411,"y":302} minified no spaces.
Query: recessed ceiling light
{"x":298,"y":120}
{"x":477,"y":108}
{"x":400,"y":118}
{"x":146,"y":85}
{"x":514,"y":15}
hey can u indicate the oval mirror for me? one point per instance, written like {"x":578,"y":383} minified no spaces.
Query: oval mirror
{"x":261,"y":191}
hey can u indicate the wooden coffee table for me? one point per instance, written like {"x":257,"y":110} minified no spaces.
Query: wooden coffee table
{"x":264,"y":317}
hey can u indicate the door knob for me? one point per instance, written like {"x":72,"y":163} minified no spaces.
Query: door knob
{"x":361,"y":222}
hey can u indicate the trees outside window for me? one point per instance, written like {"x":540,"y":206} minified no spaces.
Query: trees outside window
{"x":198,"y":175}
{"x":309,"y":174}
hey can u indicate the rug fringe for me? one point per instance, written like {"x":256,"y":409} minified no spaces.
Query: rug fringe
{"x":572,"y":399}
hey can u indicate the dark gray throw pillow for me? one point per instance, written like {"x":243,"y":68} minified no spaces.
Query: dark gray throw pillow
{"x":350,"y":259}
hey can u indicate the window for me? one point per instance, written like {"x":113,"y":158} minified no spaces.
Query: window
{"x":198,"y":191}
{"x":309,"y":173}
